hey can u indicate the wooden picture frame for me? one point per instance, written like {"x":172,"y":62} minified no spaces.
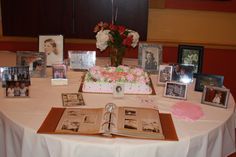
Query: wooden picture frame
{"x":208,"y":79}
{"x":176,"y":90}
{"x":35,"y":60}
{"x":81,"y":60}
{"x":72,"y":99}
{"x":150,"y":56}
{"x":189,"y":54}
{"x":165,"y":74}
{"x":215,"y":96}
{"x":53,"y":46}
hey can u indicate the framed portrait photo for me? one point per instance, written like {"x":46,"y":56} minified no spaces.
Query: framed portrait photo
{"x":150,"y":57}
{"x":36,"y":61}
{"x":59,"y":71}
{"x":165,"y":74}
{"x":215,"y":96}
{"x":118,"y":90}
{"x":182,"y":73}
{"x":175,"y":90}
{"x":188,"y":54}
{"x":53,"y":46}
{"x":208,"y":79}
{"x":82,"y":60}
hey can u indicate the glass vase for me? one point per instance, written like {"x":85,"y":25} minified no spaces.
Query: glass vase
{"x":116,"y":56}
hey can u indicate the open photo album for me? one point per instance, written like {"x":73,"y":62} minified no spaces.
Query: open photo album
{"x":133,"y":122}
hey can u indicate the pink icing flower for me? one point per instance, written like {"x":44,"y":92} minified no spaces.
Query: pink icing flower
{"x":130,"y":77}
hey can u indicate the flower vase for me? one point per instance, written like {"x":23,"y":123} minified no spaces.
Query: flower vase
{"x":116,"y":56}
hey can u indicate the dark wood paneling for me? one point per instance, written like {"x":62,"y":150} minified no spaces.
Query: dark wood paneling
{"x":20,"y":18}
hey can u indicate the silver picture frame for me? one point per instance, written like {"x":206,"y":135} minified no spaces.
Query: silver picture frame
{"x":176,"y":90}
{"x":81,"y":60}
{"x":215,"y":96}
{"x":36,"y":61}
{"x":150,"y":56}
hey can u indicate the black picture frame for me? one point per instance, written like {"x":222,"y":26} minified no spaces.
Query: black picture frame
{"x":208,"y":79}
{"x":191,"y":54}
{"x":215,"y":96}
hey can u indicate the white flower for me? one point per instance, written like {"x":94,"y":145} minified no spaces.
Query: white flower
{"x":102,"y":39}
{"x":135,"y":38}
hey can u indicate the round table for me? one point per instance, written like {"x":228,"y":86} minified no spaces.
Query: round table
{"x":211,"y":136}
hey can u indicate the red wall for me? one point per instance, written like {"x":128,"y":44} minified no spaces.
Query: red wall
{"x":216,"y":61}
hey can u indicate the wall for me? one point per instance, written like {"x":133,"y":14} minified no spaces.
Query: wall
{"x":170,"y":27}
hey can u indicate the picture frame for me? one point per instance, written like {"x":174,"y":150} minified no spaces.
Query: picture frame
{"x":118,"y":90}
{"x":208,"y":79}
{"x":165,"y":74}
{"x":182,"y":73}
{"x":72,"y":99}
{"x":53,"y":46}
{"x":190,"y":54}
{"x":37,"y":62}
{"x":176,"y":90}
{"x":17,"y":89}
{"x":59,"y":71}
{"x":150,"y":56}
{"x":15,"y":74}
{"x":81,"y":60}
{"x":215,"y":96}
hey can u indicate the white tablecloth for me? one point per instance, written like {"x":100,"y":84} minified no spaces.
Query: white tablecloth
{"x":20,"y":118}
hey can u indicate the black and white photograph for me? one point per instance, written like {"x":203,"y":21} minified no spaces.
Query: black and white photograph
{"x":150,"y":125}
{"x":59,"y":71}
{"x":72,"y":99}
{"x":36,"y":61}
{"x":118,"y":90}
{"x":81,"y":60}
{"x":182,"y":73}
{"x":53,"y":46}
{"x":175,"y":90}
{"x":71,"y":125}
{"x":130,"y":112}
{"x":189,"y":54}
{"x":208,"y":79}
{"x":130,"y":124}
{"x":215,"y":96}
{"x":150,"y":56}
{"x":165,"y":74}
{"x":17,"y":89}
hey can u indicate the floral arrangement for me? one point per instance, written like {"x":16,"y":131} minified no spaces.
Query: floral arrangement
{"x":118,"y":74}
{"x":110,"y":35}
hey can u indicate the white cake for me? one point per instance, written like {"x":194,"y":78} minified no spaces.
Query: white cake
{"x":102,"y":80}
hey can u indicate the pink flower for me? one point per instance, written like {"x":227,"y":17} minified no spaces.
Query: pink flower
{"x":130,"y":77}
